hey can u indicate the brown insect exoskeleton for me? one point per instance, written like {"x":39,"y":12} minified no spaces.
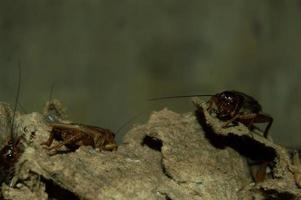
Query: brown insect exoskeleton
{"x":233,"y":106}
{"x":73,"y":135}
{"x":12,"y":148}
{"x":9,"y":155}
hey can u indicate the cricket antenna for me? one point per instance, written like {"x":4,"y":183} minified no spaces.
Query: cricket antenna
{"x":51,"y":91}
{"x":180,"y":96}
{"x":53,"y":109}
{"x":128,"y":121}
{"x":16,"y":103}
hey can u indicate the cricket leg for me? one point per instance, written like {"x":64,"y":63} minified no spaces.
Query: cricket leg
{"x":231,"y":120}
{"x":264,"y":118}
{"x":250,"y":119}
{"x":72,"y":139}
{"x":259,"y":173}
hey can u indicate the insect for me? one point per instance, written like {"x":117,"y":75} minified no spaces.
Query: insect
{"x":12,"y":148}
{"x":9,"y":155}
{"x":73,"y":135}
{"x":232,"y":106}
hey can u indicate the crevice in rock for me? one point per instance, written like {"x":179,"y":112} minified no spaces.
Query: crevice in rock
{"x":56,"y":192}
{"x":156,"y":144}
{"x":152,"y":142}
{"x":164,"y":170}
{"x":275,"y":195}
{"x":167,"y":197}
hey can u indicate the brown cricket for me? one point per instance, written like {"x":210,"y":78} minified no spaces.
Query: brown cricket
{"x":74,"y":135}
{"x":232,"y":106}
{"x":9,"y":155}
{"x":13,"y":147}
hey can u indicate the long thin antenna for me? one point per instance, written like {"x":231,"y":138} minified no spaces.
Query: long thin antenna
{"x":16,"y":102}
{"x":19,"y":104}
{"x":51,"y":91}
{"x":180,"y":96}
{"x":128,"y":121}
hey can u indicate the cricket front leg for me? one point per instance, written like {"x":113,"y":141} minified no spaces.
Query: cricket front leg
{"x":246,"y":119}
{"x":225,"y":125}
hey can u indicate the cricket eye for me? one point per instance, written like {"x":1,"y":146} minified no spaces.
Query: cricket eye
{"x":7,"y":157}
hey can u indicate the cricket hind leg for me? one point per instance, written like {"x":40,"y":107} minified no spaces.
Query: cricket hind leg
{"x":71,"y":140}
{"x":264,"y":118}
{"x":55,"y":134}
{"x":261,"y":173}
{"x":250,"y":119}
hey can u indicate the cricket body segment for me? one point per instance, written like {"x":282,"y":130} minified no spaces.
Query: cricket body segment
{"x":9,"y":155}
{"x":234,"y":106}
{"x":10,"y":152}
{"x":74,"y":135}
{"x":12,"y":149}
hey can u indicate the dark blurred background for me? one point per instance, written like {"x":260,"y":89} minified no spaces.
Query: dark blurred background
{"x":107,"y":57}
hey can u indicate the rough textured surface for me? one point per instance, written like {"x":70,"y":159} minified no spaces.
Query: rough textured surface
{"x":253,"y":146}
{"x":170,"y":157}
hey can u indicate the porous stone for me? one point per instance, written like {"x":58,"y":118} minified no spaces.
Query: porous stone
{"x":169,"y":157}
